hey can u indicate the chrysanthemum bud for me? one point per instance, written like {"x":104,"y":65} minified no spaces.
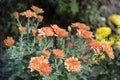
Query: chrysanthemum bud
{"x":69,"y":28}
{"x":40,"y":18}
{"x":39,"y":38}
{"x":16,"y":15}
{"x":70,"y":44}
{"x":22,"y":29}
{"x":34,"y":31}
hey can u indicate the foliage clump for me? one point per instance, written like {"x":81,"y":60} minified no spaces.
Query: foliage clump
{"x":50,"y":52}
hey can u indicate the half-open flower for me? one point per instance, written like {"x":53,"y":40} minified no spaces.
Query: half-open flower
{"x":58,"y":53}
{"x":84,"y":33}
{"x":80,"y":26}
{"x":59,"y":31}
{"x":46,"y":31}
{"x":9,"y":41}
{"x":37,"y":9}
{"x":28,"y":14}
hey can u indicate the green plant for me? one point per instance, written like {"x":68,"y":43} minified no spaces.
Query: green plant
{"x":107,"y":69}
{"x":67,"y":7}
{"x":88,"y":10}
{"x":50,"y":53}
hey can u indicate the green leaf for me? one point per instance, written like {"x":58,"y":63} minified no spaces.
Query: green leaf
{"x":98,"y":70}
{"x":112,"y":67}
{"x":54,"y":77}
{"x":103,"y":77}
{"x":74,"y":7}
{"x":62,"y":7}
{"x":72,"y":77}
{"x":83,"y":77}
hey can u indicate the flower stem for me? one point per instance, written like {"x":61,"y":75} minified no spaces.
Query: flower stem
{"x":19,"y":23}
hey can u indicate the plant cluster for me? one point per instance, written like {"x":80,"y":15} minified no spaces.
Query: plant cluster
{"x":105,"y":33}
{"x":72,"y":10}
{"x":109,"y":69}
{"x":50,"y":52}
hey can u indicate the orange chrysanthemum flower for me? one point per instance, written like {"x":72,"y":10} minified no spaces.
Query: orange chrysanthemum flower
{"x":45,"y":69}
{"x":16,"y":14}
{"x":46,"y":53}
{"x":9,"y":41}
{"x":35,"y":62}
{"x":58,"y":53}
{"x":95,"y":45}
{"x":40,"y":64}
{"x":85,"y":34}
{"x":108,"y":50}
{"x":72,"y":64}
{"x":22,"y":29}
{"x":80,"y":26}
{"x":59,"y":31}
{"x":46,"y":31}
{"x":37,"y":9}
{"x":28,"y":14}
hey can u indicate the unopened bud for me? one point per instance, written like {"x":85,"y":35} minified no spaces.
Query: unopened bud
{"x":69,"y":29}
{"x":16,"y":15}
{"x":70,"y":44}
{"x":40,"y":18}
{"x":39,"y":38}
{"x":34,"y":31}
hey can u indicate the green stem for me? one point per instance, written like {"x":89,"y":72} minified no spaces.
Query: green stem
{"x":56,"y":65}
{"x":28,"y":28}
{"x":68,"y":75}
{"x":37,"y":25}
{"x":46,"y":77}
{"x":57,"y":68}
{"x":21,"y":38}
{"x":19,"y":23}
{"x":21,"y":41}
{"x":62,"y":42}
{"x":34,"y":41}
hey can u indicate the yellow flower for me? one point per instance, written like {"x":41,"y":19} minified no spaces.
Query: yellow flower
{"x":114,"y":38}
{"x":117,"y":45}
{"x":115,"y":19}
{"x":99,"y":37}
{"x":110,"y":42}
{"x":103,"y":31}
{"x":97,"y":57}
{"x":118,"y":31}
